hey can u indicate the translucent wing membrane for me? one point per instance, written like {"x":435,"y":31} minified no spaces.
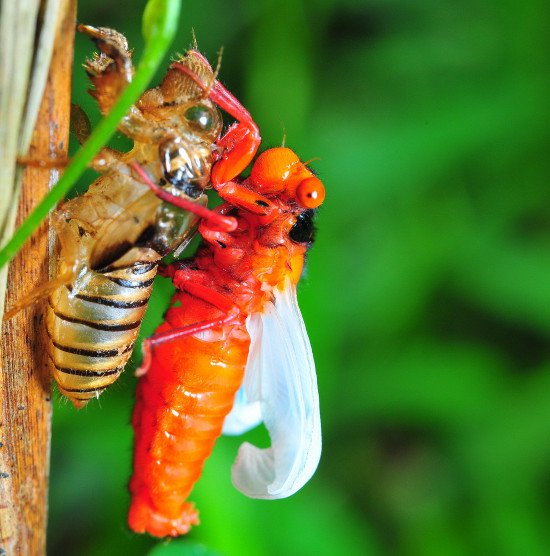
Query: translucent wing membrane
{"x":280,"y":375}
{"x":244,"y":416}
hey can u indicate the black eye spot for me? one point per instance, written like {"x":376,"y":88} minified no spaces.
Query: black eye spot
{"x":303,"y":230}
{"x":199,"y":118}
{"x":192,"y":190}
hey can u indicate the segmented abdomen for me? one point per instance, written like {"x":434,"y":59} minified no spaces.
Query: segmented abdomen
{"x":93,"y":327}
{"x":181,"y":405}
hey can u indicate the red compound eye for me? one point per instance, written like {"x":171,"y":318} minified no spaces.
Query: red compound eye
{"x":310,"y":193}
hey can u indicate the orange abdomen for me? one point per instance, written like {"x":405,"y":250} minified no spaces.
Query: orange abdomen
{"x":181,"y":405}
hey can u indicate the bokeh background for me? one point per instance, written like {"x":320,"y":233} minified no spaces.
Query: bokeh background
{"x":427,"y":294}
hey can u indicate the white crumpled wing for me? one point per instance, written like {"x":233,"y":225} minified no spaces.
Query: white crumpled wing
{"x":280,"y":374}
{"x":244,"y":415}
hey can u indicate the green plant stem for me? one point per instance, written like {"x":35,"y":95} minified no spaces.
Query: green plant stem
{"x":160,"y":22}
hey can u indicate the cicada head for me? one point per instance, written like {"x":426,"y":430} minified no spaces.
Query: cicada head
{"x":280,"y":172}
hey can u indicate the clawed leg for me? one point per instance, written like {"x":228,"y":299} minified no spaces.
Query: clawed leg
{"x":239,"y":144}
{"x":39,"y":293}
{"x":80,"y":123}
{"x":106,"y":159}
{"x":112,"y":69}
{"x":110,"y":72}
{"x":221,"y":302}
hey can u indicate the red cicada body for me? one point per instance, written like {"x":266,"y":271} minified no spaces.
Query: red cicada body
{"x":233,"y":351}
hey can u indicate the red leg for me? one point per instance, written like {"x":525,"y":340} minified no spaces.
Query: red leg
{"x":244,"y":198}
{"x":216,"y":299}
{"x":240,"y":143}
{"x":215,"y":236}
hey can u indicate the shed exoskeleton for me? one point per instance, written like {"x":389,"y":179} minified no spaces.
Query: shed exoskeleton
{"x":111,"y":239}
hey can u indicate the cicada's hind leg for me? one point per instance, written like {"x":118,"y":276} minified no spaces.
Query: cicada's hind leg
{"x":182,"y":280}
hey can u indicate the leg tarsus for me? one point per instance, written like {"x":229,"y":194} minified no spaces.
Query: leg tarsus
{"x":146,"y":360}
{"x":112,"y":69}
{"x":194,"y":328}
{"x":39,"y":293}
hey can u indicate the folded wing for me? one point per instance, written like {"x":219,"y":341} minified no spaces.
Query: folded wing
{"x":244,"y":416}
{"x":280,"y":375}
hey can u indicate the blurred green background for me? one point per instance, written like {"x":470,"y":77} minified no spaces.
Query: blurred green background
{"x":427,"y":293}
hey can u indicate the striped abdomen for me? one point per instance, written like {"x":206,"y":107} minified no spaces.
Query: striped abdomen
{"x":93,"y":324}
{"x":181,"y":405}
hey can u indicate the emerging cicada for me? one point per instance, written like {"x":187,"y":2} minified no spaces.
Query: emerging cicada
{"x":235,"y":316}
{"x":112,"y":238}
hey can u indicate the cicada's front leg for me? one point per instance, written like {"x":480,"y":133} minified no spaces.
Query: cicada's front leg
{"x":107,"y":159}
{"x":240,"y":142}
{"x":110,"y":72}
{"x":112,"y":69}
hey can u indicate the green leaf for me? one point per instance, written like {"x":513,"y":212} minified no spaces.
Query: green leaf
{"x":160,"y":19}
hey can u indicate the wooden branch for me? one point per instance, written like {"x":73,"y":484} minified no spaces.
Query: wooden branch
{"x":25,"y":385}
